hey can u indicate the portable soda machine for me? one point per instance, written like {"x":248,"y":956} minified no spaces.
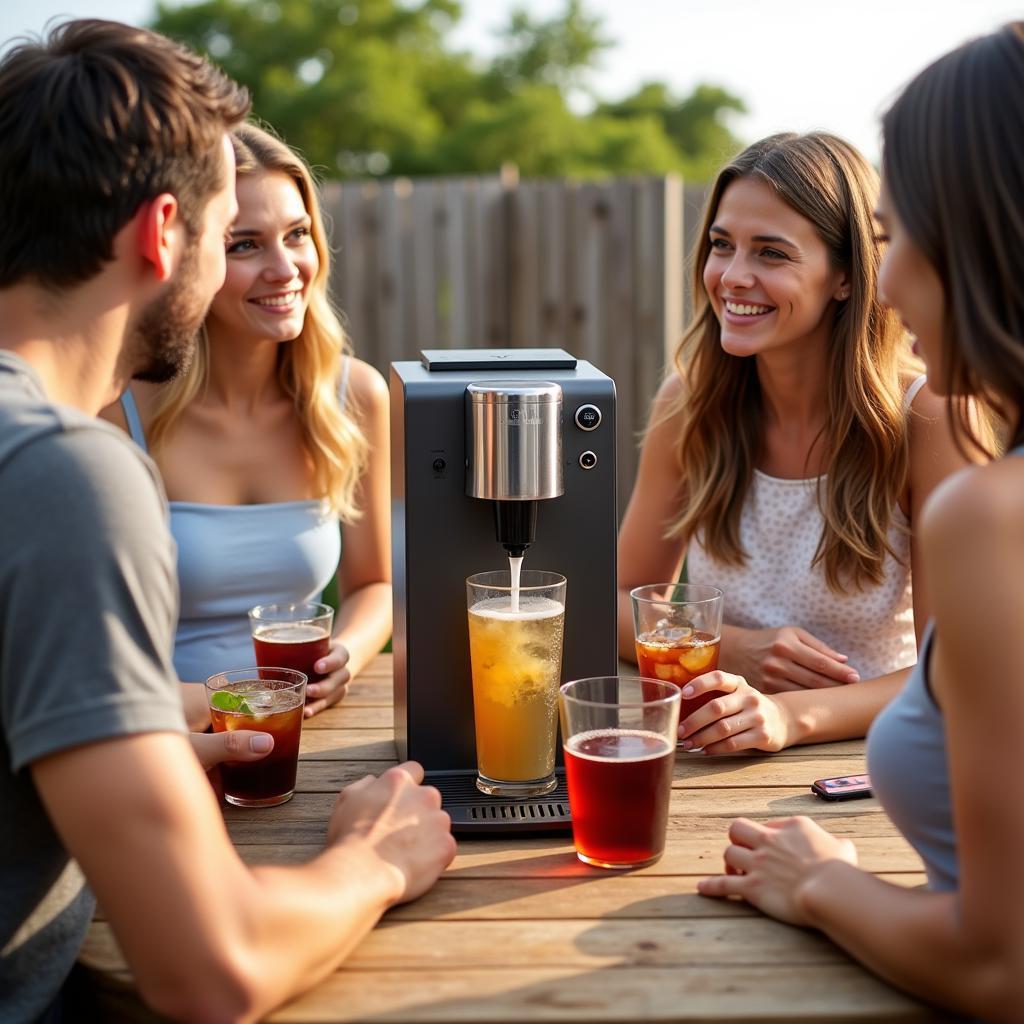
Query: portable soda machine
{"x":494,"y":452}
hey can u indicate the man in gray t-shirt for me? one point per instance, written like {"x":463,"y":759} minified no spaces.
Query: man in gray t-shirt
{"x":118,"y":181}
{"x":87,"y":611}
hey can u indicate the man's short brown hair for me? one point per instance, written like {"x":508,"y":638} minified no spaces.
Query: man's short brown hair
{"x":95,"y":121}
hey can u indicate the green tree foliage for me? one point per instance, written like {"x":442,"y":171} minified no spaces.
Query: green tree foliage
{"x":694,"y":125}
{"x":372,"y":87}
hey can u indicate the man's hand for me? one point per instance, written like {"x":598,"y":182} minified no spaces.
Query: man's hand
{"x":403,"y":825}
{"x":212,"y":748}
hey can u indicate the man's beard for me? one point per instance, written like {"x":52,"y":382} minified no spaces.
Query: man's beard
{"x":163,"y":341}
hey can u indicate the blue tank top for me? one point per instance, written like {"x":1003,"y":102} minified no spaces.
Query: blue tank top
{"x":231,"y":557}
{"x":906,"y":755}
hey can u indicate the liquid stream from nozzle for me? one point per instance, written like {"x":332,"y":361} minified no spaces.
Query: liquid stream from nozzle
{"x":515,"y":565}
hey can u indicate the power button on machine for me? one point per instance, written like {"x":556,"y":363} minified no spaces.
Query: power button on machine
{"x":588,"y":417}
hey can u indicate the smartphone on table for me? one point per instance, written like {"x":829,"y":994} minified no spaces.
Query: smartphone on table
{"x":842,"y":787}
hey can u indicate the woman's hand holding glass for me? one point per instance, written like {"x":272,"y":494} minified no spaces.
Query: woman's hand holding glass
{"x":741,"y":719}
{"x":334,"y":686}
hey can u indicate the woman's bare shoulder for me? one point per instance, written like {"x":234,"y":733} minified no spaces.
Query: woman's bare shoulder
{"x":366,"y":384}
{"x":982,"y":506}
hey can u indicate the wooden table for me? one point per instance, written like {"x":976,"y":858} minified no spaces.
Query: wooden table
{"x":520,"y":930}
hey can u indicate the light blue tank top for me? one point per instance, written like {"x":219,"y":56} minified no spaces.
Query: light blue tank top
{"x":231,"y":557}
{"x":906,"y":754}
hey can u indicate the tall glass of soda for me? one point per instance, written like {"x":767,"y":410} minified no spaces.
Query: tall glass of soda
{"x":619,"y":737}
{"x":515,"y":650}
{"x":292,"y":636}
{"x":678,"y":629}
{"x":267,"y":700}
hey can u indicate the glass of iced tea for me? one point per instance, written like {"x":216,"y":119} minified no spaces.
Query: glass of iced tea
{"x":619,"y":737}
{"x":292,"y":635}
{"x":267,"y":700}
{"x":678,"y":628}
{"x":515,"y":649}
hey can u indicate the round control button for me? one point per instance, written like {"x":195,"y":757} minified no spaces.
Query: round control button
{"x":588,"y":417}
{"x":588,"y":460}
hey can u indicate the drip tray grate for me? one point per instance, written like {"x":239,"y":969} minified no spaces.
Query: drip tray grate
{"x":473,"y":811}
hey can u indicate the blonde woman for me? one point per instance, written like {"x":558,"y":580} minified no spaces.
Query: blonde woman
{"x":274,"y":435}
{"x":789,"y":454}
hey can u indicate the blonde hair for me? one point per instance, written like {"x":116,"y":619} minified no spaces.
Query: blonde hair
{"x":309,"y":367}
{"x":864,"y":440}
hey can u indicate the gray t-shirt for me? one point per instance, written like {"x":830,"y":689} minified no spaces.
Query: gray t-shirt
{"x":88,"y":602}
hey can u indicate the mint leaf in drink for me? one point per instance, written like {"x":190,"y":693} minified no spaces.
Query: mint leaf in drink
{"x":225,"y":700}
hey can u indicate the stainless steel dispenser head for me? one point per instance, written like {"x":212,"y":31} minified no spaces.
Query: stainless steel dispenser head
{"x":515,"y":450}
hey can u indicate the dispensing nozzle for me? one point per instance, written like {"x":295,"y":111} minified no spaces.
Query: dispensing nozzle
{"x":515,"y":524}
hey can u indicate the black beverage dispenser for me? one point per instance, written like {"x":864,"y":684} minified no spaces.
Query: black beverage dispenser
{"x":494,"y":452}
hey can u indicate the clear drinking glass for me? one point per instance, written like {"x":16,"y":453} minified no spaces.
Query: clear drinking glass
{"x":267,"y":700}
{"x":515,"y":648}
{"x":292,"y":635}
{"x":678,"y":629}
{"x":619,"y":737}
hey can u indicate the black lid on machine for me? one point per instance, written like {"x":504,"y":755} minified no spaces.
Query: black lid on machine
{"x":435,"y":359}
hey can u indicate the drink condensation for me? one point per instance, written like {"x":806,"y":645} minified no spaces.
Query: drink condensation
{"x":516,"y":664}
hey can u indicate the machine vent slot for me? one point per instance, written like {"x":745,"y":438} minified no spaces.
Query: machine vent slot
{"x":515,"y":812}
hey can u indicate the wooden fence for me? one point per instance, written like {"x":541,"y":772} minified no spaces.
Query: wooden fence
{"x":595,"y":268}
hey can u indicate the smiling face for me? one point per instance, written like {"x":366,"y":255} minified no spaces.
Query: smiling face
{"x":271,"y":262}
{"x":768,"y":274}
{"x":910,"y":285}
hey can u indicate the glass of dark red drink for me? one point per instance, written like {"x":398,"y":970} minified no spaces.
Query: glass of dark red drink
{"x":619,"y":737}
{"x":266,"y":700}
{"x":678,"y":628}
{"x":293,"y":636}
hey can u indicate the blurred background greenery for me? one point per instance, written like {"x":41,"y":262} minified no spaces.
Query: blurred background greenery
{"x":371,"y":88}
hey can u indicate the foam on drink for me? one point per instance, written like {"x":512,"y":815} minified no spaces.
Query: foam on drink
{"x":297,"y":645}
{"x":526,"y":610}
{"x":619,"y":745}
{"x":289,"y":633}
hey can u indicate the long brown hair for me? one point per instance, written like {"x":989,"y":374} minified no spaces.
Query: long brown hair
{"x":309,"y":367}
{"x":954,"y":166}
{"x":864,"y":440}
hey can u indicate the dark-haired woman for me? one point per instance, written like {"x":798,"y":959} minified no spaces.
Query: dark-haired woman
{"x":945,"y":756}
{"x":789,"y":455}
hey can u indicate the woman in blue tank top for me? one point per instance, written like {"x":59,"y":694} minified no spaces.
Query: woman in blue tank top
{"x":274,"y":435}
{"x":945,"y":757}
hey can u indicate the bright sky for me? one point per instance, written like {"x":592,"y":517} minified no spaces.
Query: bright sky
{"x":798,"y":64}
